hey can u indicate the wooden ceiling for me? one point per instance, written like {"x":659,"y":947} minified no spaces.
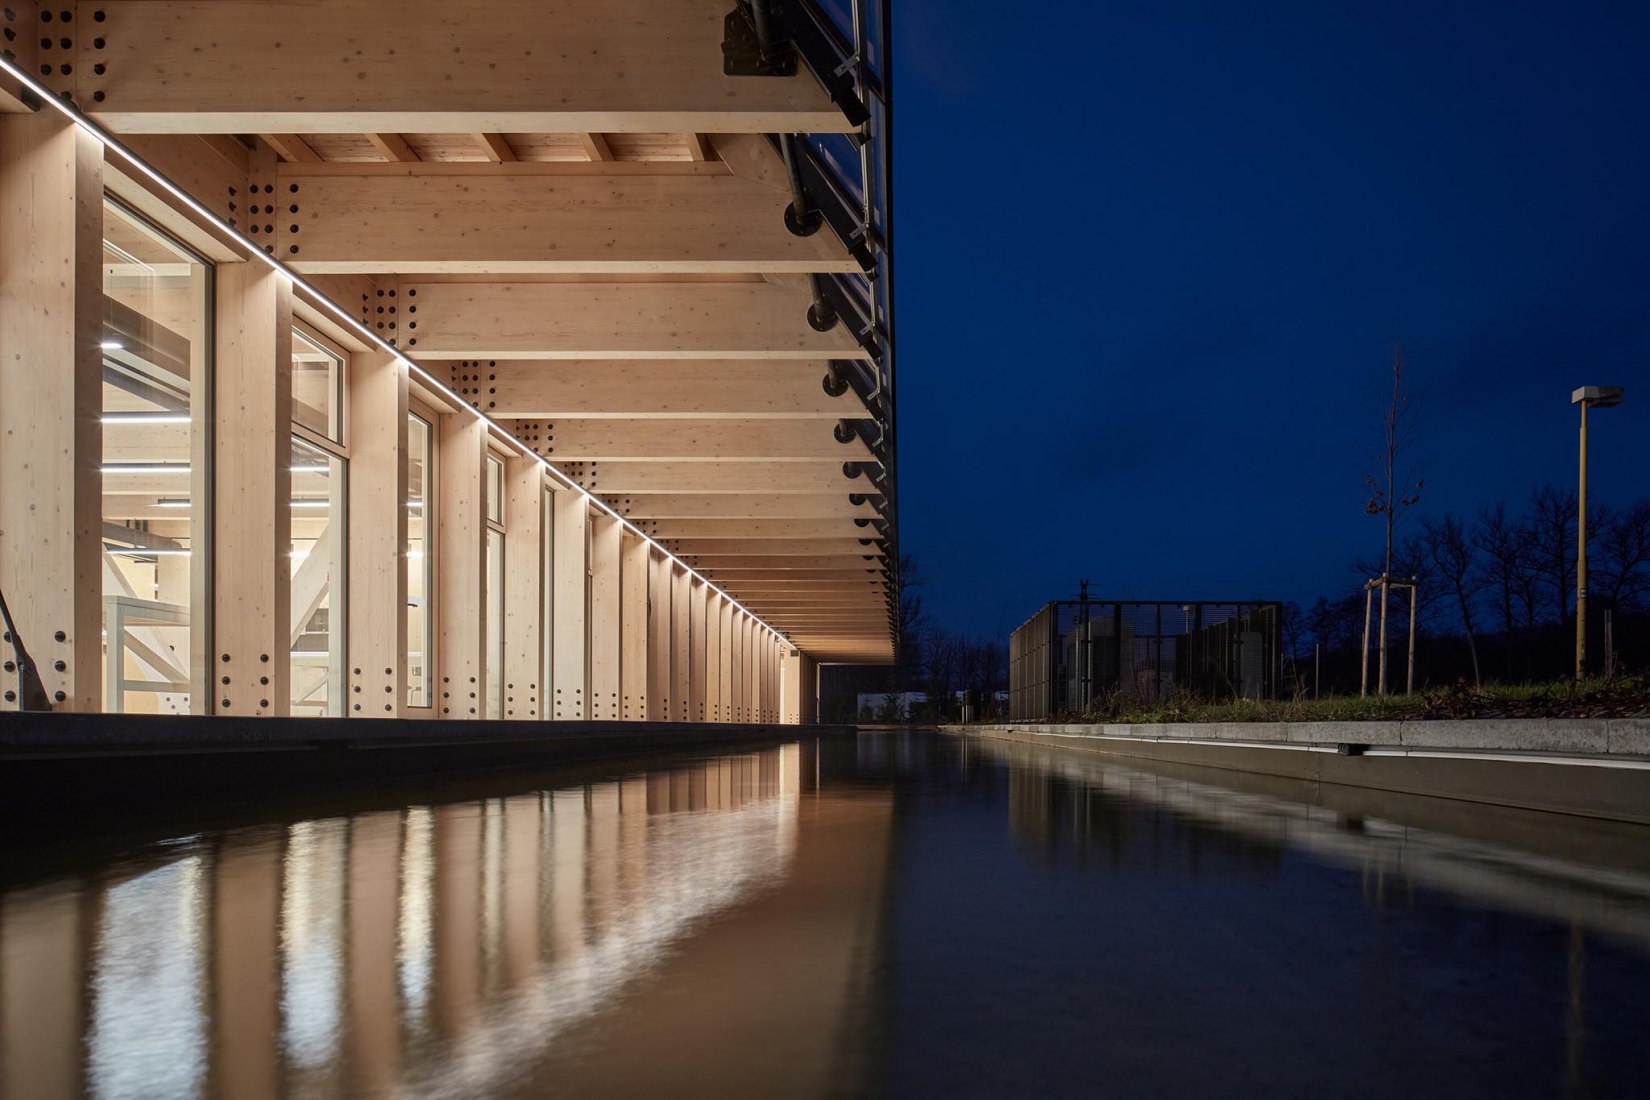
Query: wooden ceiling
{"x":568,"y":212}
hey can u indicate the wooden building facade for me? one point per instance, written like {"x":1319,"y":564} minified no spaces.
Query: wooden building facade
{"x":522,"y":360}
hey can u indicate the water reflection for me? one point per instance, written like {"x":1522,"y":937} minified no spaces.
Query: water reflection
{"x":436,"y":950}
{"x":902,"y":912}
{"x":1063,"y":802}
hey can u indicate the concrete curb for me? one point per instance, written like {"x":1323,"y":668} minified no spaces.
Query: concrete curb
{"x":1626,"y":737}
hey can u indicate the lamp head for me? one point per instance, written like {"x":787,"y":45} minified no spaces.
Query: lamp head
{"x":1600,"y":397}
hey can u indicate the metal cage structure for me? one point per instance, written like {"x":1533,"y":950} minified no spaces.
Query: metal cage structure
{"x":1076,"y":657}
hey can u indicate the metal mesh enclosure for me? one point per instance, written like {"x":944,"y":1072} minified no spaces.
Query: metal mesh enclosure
{"x":1077,"y":656}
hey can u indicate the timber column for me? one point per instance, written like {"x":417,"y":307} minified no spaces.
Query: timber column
{"x":51,"y":368}
{"x":377,"y":569}
{"x":252,"y":486}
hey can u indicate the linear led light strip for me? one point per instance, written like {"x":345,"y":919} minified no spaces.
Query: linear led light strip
{"x":97,"y":133}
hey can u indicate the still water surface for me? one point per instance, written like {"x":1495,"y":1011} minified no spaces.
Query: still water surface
{"x":904,"y":914}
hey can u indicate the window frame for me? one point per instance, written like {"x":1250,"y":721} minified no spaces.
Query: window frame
{"x":430,"y":417}
{"x":338,"y":595}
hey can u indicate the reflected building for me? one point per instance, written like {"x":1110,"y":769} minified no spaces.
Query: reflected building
{"x":458,"y":949}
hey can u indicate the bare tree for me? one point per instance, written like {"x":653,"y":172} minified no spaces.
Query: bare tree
{"x":1393,"y":486}
{"x":1501,"y":542}
{"x":913,"y":621}
{"x":1455,"y":563}
{"x":1552,"y":524}
{"x":1624,"y":554}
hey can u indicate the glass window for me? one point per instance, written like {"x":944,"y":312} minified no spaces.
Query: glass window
{"x":548,"y":587}
{"x":495,"y":489}
{"x":156,"y":413}
{"x":493,"y":582}
{"x":318,"y":526}
{"x":317,"y":387}
{"x":494,"y":687}
{"x":420,"y":636}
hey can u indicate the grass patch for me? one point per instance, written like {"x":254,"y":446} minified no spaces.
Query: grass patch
{"x":1622,"y":697}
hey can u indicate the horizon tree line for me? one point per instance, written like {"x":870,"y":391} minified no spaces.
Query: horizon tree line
{"x":1495,"y":595}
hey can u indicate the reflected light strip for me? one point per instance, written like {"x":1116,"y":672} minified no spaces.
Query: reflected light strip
{"x":69,"y":111}
{"x":148,"y":551}
{"x":145,"y":468}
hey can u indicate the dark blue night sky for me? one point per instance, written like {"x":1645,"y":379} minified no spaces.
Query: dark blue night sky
{"x":1152,"y":259}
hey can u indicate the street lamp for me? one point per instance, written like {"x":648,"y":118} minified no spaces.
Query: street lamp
{"x":1602,"y":397}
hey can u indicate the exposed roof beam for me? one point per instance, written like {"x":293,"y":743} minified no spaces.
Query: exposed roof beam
{"x":524,"y":219}
{"x":664,"y":389}
{"x":616,"y":320}
{"x":496,"y":148}
{"x":562,"y":66}
{"x":292,"y":147}
{"x":758,"y":530}
{"x":563,"y":441}
{"x":739,"y":506}
{"x":699,"y":147}
{"x":781,"y":562}
{"x":393,"y":147}
{"x":687,"y":549}
{"x":595,"y":147}
{"x":763,"y":476}
{"x":802,"y":576}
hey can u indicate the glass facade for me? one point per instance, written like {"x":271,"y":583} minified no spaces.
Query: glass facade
{"x":493,"y":673}
{"x":317,"y":387}
{"x":319,"y":484}
{"x":156,"y":414}
{"x":420,"y":635}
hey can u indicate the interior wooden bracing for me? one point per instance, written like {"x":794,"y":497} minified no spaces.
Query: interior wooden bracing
{"x":570,"y":218}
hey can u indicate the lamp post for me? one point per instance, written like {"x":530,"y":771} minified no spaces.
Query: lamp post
{"x":1602,"y":397}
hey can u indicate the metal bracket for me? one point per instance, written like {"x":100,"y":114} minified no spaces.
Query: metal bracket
{"x":31,"y":691}
{"x":825,"y":199}
{"x":792,"y":30}
{"x":742,"y":53}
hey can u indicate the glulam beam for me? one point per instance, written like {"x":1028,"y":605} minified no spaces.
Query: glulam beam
{"x":687,"y":476}
{"x":826,"y":525}
{"x":596,"y":440}
{"x":530,"y":218}
{"x":780,"y":563}
{"x":695,"y":319}
{"x":564,"y":66}
{"x":735,"y":506}
{"x":660,"y":389}
{"x":690,"y":548}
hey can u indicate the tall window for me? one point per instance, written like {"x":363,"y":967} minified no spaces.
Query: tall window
{"x":493,"y":674}
{"x":420,"y":636}
{"x":156,"y":412}
{"x":319,"y":488}
{"x":547,"y":585}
